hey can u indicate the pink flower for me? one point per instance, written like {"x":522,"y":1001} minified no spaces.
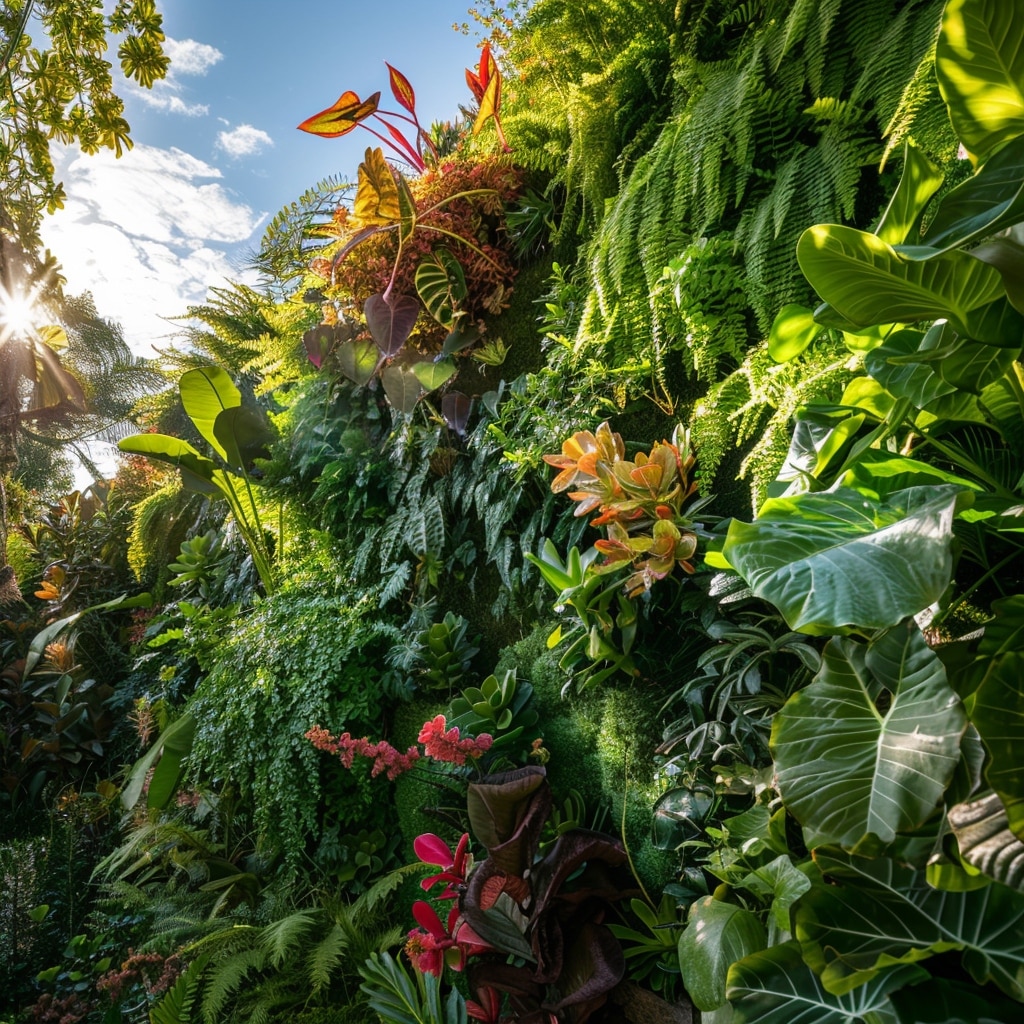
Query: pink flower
{"x":432,"y":849}
{"x":444,"y":744}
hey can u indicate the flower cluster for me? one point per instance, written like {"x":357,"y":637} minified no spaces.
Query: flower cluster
{"x":640,"y":502}
{"x":439,"y":743}
{"x":444,"y":744}
{"x":386,"y":758}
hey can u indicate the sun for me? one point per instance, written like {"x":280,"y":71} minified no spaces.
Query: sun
{"x":19,"y":314}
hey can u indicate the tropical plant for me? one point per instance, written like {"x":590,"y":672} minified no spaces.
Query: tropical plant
{"x":238,"y":434}
{"x":890,"y":870}
{"x":63,"y":90}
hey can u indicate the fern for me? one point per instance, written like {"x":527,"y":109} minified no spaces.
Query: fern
{"x":176,"y":1007}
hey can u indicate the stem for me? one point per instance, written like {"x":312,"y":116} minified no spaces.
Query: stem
{"x":408,"y":153}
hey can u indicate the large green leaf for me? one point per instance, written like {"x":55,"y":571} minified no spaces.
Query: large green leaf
{"x":402,"y":387}
{"x":877,"y":911}
{"x":868,"y":282}
{"x":793,"y":329}
{"x":836,"y":558}
{"x":997,"y":712}
{"x":717,"y":935}
{"x":358,"y":360}
{"x":197,"y":471}
{"x":784,"y":882}
{"x":167,"y":754}
{"x":893,"y":366}
{"x":989,"y":201}
{"x":432,"y":374}
{"x":205,"y":393}
{"x":777,"y":987}
{"x":938,"y":1001}
{"x":869,"y":747}
{"x":245,"y":435}
{"x":918,"y":183}
{"x":979,"y":62}
{"x":983,"y":835}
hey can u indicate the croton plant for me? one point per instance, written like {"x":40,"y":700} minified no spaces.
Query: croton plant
{"x":418,"y":261}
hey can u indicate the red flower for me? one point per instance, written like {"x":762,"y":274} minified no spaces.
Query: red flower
{"x":432,"y":849}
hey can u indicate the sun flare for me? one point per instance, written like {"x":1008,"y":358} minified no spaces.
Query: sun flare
{"x":19,"y":313}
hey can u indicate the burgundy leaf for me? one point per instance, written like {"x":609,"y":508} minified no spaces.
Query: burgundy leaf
{"x":455,"y":408}
{"x":391,"y":321}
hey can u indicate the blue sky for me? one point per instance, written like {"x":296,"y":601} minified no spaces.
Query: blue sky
{"x":217,"y":152}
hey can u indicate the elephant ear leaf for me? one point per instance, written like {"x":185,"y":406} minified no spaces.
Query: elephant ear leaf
{"x":979,"y":62}
{"x":390,"y":320}
{"x":777,"y":987}
{"x":809,"y":555}
{"x":985,"y":841}
{"x":402,"y":387}
{"x":891,"y":746}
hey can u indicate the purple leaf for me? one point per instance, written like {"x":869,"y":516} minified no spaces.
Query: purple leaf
{"x":391,"y":321}
{"x":455,"y":408}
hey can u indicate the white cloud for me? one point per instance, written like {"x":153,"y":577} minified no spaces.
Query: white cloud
{"x":187,"y":58}
{"x":148,"y":235}
{"x":245,"y":140}
{"x":191,"y":58}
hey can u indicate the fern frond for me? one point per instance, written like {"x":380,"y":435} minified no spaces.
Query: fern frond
{"x":280,"y":938}
{"x":179,"y":1002}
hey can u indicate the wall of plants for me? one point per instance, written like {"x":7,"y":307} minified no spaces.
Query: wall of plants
{"x":585,"y":583}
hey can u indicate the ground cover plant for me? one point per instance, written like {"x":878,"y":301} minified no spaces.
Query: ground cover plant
{"x":586,"y":585}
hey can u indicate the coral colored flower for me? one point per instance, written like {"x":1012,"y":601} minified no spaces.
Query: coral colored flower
{"x":444,"y":744}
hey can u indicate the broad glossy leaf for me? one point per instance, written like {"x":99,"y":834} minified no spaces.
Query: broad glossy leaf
{"x":358,"y":360}
{"x":342,"y":116}
{"x":376,"y":201}
{"x":792,"y":331}
{"x":918,"y":382}
{"x":877,"y":910}
{"x":432,"y":375}
{"x":441,"y":285}
{"x":869,"y":747}
{"x":490,"y":99}
{"x":777,"y":987}
{"x":997,"y":712}
{"x":989,"y":201}
{"x":245,"y":434}
{"x":464,"y":335}
{"x":983,"y":835}
{"x":391,"y":321}
{"x":205,"y":393}
{"x":972,"y":366}
{"x":878,"y":473}
{"x":836,"y":558}
{"x":868,"y":282}
{"x":402,"y":387}
{"x":979,"y":62}
{"x":918,"y":183}
{"x":1007,"y":256}
{"x":174,"y":743}
{"x":678,"y":815}
{"x":717,"y":934}
{"x":938,"y":1001}
{"x":197,"y":471}
{"x":784,"y":882}
{"x":401,"y":89}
